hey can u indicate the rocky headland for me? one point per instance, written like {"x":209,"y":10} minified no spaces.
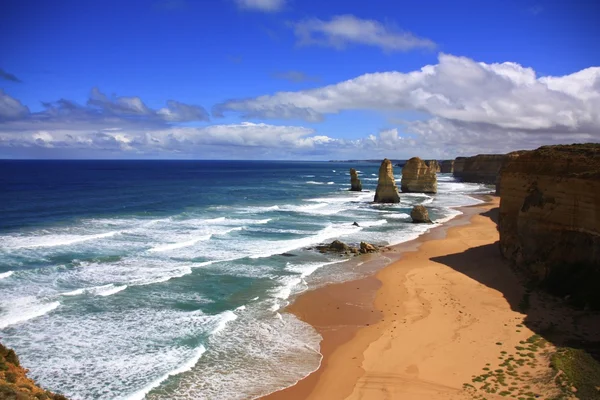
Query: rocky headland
{"x":419,"y":177}
{"x":355,"y":184}
{"x":387,"y":191}
{"x":549,"y":221}
{"x":447,"y":166}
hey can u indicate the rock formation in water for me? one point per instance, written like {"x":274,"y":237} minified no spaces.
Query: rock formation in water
{"x":447,"y":167}
{"x":387,"y":191}
{"x":355,"y":184}
{"x":434,"y":164}
{"x":418,"y":177}
{"x":14,"y":383}
{"x":549,"y":220}
{"x":419,"y":214}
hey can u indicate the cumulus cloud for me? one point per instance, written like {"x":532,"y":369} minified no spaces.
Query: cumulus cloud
{"x":459,"y":94}
{"x":343,"y":30}
{"x":295,"y":76}
{"x":8,"y":76}
{"x":261,"y":5}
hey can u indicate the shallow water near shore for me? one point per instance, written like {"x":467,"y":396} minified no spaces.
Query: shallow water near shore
{"x":166,"y":279}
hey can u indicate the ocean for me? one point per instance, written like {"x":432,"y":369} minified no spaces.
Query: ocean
{"x":168,"y":279}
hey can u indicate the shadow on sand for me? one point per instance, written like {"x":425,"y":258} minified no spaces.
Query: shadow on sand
{"x":546,"y":315}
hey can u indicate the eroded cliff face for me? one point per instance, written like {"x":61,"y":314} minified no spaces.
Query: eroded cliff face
{"x":419,"y":177}
{"x":549,"y":219}
{"x":14,"y":383}
{"x":355,"y":184}
{"x":483,"y":168}
{"x":387,"y":191}
{"x":447,"y":167}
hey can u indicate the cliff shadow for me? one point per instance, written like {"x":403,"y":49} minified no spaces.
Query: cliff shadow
{"x":492,"y":214}
{"x":545,"y":315}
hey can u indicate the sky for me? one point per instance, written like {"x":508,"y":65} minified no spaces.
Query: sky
{"x":295,"y":79}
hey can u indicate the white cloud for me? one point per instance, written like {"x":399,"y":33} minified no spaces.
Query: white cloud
{"x":261,"y":5}
{"x":343,"y":30}
{"x":506,"y":96}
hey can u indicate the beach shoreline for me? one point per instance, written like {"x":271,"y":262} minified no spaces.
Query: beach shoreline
{"x":363,"y":321}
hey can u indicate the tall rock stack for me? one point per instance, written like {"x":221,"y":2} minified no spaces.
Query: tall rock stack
{"x":387,"y":191}
{"x":447,"y":167}
{"x":418,"y":177}
{"x":355,"y":184}
{"x":434,"y":164}
{"x":549,"y":220}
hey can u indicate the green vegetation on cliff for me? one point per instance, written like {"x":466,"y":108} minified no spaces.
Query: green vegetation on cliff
{"x":14,"y":383}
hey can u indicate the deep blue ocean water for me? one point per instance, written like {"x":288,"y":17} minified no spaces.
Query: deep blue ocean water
{"x":167,"y":279}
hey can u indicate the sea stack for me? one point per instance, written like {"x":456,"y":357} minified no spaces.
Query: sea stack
{"x":355,"y":184}
{"x":419,"y":214}
{"x":387,"y":191}
{"x":434,"y":164}
{"x":418,"y":177}
{"x":447,"y":167}
{"x":549,"y":219}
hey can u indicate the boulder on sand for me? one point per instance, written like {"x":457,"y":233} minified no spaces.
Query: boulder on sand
{"x":367,"y":248}
{"x":387,"y":191}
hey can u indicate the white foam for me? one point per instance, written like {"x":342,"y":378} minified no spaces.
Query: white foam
{"x":307,"y":176}
{"x":224,"y":319}
{"x":104,"y":290}
{"x":186,"y":366}
{"x":110,"y":290}
{"x":241,"y":308}
{"x":30,"y":242}
{"x":25,"y":309}
{"x":174,"y":246}
{"x":330,"y":183}
{"x":315,"y":183}
{"x":368,"y":224}
{"x":284,"y":246}
{"x":4,"y":275}
{"x":396,"y":216}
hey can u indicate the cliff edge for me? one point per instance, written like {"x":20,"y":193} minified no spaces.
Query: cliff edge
{"x":14,"y":383}
{"x":549,"y":220}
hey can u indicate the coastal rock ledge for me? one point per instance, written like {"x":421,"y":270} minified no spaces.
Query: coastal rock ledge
{"x":418,"y":177}
{"x":387,"y":191}
{"x":355,"y":184}
{"x":549,"y":219}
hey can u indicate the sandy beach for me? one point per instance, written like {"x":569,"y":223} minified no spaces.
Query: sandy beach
{"x":426,"y":326}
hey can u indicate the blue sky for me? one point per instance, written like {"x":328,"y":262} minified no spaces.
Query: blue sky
{"x":295,"y":79}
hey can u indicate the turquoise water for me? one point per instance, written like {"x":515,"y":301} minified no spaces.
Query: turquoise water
{"x":166,"y":280}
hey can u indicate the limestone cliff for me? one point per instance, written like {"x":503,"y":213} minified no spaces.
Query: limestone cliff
{"x":459,"y":163}
{"x":14,"y":383}
{"x":549,"y":219}
{"x":447,"y":167}
{"x":483,"y":168}
{"x":355,"y":184}
{"x":418,"y":177}
{"x":434,"y":164}
{"x":387,"y":191}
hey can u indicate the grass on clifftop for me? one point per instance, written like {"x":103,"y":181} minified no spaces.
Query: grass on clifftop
{"x":579,"y":369}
